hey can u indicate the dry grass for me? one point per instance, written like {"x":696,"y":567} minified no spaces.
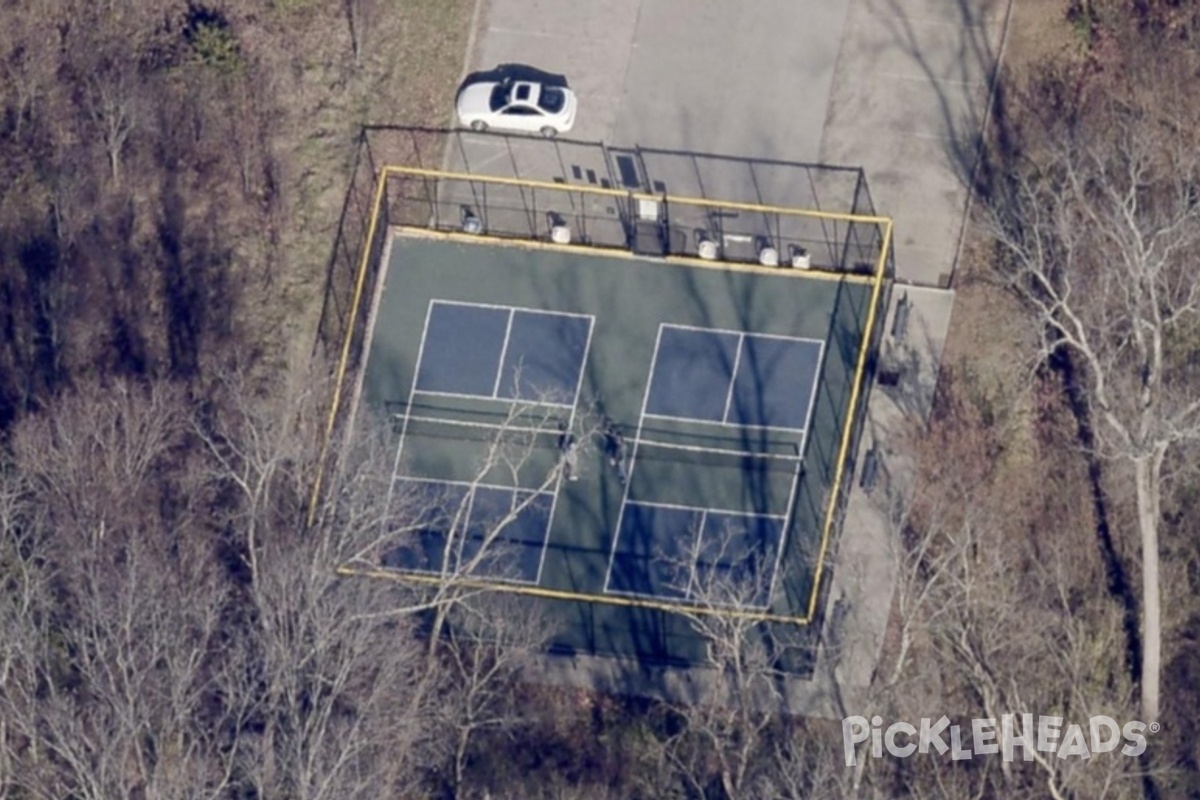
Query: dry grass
{"x":990,"y":336}
{"x":410,"y":65}
{"x":1039,"y":29}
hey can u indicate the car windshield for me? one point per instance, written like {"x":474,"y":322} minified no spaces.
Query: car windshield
{"x":552,"y":99}
{"x":499,"y":97}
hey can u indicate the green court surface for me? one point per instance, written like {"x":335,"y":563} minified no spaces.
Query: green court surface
{"x":730,"y":387}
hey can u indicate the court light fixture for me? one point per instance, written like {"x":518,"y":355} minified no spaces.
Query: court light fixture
{"x":800,"y":257}
{"x":768,"y":256}
{"x":560,"y":232}
{"x":471,"y":223}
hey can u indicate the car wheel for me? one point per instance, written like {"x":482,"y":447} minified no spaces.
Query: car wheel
{"x":479,"y":125}
{"x":549,"y":132}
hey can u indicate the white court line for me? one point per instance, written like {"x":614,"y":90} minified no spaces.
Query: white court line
{"x":463,"y":536}
{"x":783,"y":533}
{"x":512,"y":312}
{"x":462,"y":423}
{"x":612,"y":554}
{"x":570,"y":425}
{"x":719,"y":451}
{"x":591,"y":320}
{"x":812,"y":398}
{"x":514,"y":501}
{"x":472,"y":484}
{"x":729,"y":397}
{"x":548,"y":313}
{"x":505,"y":307}
{"x":742,"y":336}
{"x":812,"y":403}
{"x":738,"y":425}
{"x":459,"y":396}
{"x":703,"y":509}
{"x":643,"y":416}
{"x":704,"y":512}
{"x":412,"y":387}
{"x":730,"y":332}
{"x":697,"y":544}
{"x":737,"y":360}
{"x":503,"y":353}
{"x":468,"y":304}
{"x":779,"y":544}
{"x":452,"y":304}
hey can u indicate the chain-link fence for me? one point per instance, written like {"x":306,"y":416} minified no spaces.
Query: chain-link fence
{"x":646,"y":224}
{"x":651,"y":203}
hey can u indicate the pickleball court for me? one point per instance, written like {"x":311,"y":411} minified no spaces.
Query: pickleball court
{"x":729,"y":386}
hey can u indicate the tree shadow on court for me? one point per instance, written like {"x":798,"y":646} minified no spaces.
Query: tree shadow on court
{"x":798,"y":556}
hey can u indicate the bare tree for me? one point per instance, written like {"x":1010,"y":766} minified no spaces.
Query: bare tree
{"x":27,"y":68}
{"x":111,"y":100}
{"x":24,"y":594}
{"x":477,"y":641}
{"x":112,"y":42}
{"x":335,"y":672}
{"x":736,"y":710}
{"x":113,"y":676}
{"x":1000,"y":606}
{"x":360,"y":17}
{"x":1099,"y":237}
{"x":259,"y":451}
{"x":974,"y":636}
{"x":334,"y":664}
{"x":136,"y":664}
{"x":530,"y":449}
{"x":806,"y":760}
{"x":488,"y":645}
{"x":135,"y":709}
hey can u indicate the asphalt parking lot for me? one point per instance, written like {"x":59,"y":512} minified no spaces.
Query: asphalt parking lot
{"x":895,"y":86}
{"x":907,"y":104}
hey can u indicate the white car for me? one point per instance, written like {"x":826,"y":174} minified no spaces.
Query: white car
{"x":525,"y":106}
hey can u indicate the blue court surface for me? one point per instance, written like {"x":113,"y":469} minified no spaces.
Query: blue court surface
{"x":694,"y":553}
{"x":627,"y":438}
{"x":474,"y":350}
{"x":741,"y":379}
{"x":483,"y":531}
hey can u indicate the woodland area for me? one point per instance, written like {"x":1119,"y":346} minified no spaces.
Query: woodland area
{"x":170,"y":626}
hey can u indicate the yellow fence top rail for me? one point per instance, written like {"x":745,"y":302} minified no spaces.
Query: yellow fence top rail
{"x":600,"y":191}
{"x":877,"y":280}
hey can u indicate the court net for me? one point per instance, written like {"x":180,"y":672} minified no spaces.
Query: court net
{"x":520,"y":432}
{"x":752,"y":461}
{"x":552,"y":434}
